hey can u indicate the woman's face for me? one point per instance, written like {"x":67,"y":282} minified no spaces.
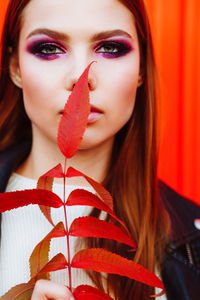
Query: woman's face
{"x":58,"y":39}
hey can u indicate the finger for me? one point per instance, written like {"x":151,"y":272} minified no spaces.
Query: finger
{"x":46,"y":289}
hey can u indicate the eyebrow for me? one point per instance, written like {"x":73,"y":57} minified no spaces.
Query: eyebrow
{"x":63,"y":36}
{"x":110,"y":33}
{"x":50,"y":33}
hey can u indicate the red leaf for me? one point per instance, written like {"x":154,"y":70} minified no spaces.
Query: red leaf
{"x":56,"y":172}
{"x":93,"y":227}
{"x":86,"y":292}
{"x":40,"y":255}
{"x":46,"y":182}
{"x":17,"y":199}
{"x":75,"y":117}
{"x":101,"y":191}
{"x":83,"y":197}
{"x":103,"y":261}
{"x":58,"y":262}
{"x":19,"y":292}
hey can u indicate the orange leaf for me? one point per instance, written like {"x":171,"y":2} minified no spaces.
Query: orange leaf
{"x":83,"y":197}
{"x":46,"y":210}
{"x":93,"y":227}
{"x":58,"y":262}
{"x":101,"y":191}
{"x":158,"y":295}
{"x":17,"y":199}
{"x":75,"y":117}
{"x":40,"y":255}
{"x":103,"y":261}
{"x":86,"y":292}
{"x":46,"y":182}
{"x":19,"y":292}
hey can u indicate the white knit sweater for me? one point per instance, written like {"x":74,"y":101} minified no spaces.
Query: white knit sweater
{"x":25,"y":227}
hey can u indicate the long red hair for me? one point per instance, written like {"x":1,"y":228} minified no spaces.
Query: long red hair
{"x":132,"y":172}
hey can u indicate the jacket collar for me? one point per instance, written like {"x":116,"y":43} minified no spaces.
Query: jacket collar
{"x":183,"y":213}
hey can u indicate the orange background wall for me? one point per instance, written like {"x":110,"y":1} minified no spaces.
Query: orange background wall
{"x":3,"y":6}
{"x":176,"y":31}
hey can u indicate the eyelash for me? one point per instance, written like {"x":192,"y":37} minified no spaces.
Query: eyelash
{"x":118,"y":49}
{"x":114,"y":49}
{"x":39,"y":49}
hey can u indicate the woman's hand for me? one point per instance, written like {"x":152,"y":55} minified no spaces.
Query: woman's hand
{"x":45,"y":289}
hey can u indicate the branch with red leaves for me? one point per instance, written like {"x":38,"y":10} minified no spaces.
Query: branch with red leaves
{"x":72,"y":126}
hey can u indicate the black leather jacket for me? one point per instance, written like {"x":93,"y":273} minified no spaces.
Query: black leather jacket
{"x":181,"y":266}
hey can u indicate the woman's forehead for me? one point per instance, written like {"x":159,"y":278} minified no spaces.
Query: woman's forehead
{"x":76,"y":15}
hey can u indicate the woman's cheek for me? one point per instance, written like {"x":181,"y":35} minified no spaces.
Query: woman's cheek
{"x":36,"y":82}
{"x":124,"y":84}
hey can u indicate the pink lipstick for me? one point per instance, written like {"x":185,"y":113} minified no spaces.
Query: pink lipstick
{"x":95,"y":114}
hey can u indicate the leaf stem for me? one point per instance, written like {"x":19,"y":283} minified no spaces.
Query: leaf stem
{"x":67,"y":229}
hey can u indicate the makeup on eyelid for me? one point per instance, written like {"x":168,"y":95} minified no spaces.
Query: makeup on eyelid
{"x":56,"y":45}
{"x":123,"y":47}
{"x":49,"y":49}
{"x":36,"y":46}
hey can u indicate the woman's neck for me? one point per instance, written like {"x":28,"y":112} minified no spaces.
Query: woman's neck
{"x":44,"y":156}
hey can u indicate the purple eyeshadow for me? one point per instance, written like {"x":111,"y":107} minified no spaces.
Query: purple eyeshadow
{"x":39,"y":46}
{"x":113,"y":48}
{"x":47,"y":48}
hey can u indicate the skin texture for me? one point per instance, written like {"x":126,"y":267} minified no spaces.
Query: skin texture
{"x":45,"y":289}
{"x":47,"y":83}
{"x":47,"y":75}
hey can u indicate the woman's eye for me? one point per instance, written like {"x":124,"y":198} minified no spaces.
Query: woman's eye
{"x":108,"y":49}
{"x":47,"y":50}
{"x":113,"y":49}
{"x":50,"y":49}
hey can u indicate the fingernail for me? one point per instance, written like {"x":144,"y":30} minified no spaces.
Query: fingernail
{"x":71,"y":298}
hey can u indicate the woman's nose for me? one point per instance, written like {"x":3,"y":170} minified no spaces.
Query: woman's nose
{"x":76,"y":72}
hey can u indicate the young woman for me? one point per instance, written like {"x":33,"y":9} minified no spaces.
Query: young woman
{"x":46,"y":46}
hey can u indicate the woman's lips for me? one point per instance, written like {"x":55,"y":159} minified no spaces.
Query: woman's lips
{"x":95,"y":114}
